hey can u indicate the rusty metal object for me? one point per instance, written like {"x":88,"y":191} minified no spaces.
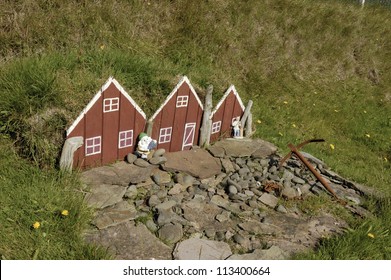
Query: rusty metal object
{"x":270,"y":186}
{"x":295,"y":150}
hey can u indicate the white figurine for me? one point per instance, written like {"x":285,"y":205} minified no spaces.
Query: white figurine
{"x":236,"y":125}
{"x":145,"y":145}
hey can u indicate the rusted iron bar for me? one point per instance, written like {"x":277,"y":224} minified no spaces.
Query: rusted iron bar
{"x":295,"y":150}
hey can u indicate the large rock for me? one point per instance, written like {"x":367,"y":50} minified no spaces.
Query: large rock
{"x":130,"y":242}
{"x":104,"y":195}
{"x":114,"y":215}
{"x":119,"y":173}
{"x":198,"y":163}
{"x":201,"y":249}
{"x":256,"y":148}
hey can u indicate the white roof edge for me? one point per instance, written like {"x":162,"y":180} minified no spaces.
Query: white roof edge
{"x":97,"y":96}
{"x":227,"y":92}
{"x":179,"y":84}
{"x":130,"y":99}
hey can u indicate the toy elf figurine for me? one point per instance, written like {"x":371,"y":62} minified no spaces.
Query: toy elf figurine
{"x":236,"y":127}
{"x":145,"y":145}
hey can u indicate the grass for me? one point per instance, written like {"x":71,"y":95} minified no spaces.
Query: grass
{"x":314,"y":69}
{"x":30,"y":196}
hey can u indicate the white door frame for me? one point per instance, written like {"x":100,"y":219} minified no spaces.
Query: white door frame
{"x":191,"y":134}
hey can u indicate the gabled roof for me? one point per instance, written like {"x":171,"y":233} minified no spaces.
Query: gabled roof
{"x":233,"y":89}
{"x":183,"y":80}
{"x":98,"y":95}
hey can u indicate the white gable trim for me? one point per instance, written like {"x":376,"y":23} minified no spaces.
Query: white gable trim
{"x":98,"y":95}
{"x":233,"y":89}
{"x":183,"y":80}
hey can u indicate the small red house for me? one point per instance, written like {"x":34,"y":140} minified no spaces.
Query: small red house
{"x":176,"y":124}
{"x":229,"y":107}
{"x":109,"y":125}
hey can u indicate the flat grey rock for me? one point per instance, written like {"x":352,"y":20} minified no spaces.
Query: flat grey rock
{"x":170,"y":233}
{"x":201,"y":249}
{"x":246,"y":147}
{"x":114,"y":215}
{"x":104,"y":195}
{"x":269,"y":200}
{"x":157,"y":160}
{"x":198,"y":163}
{"x":161,"y":177}
{"x":130,"y":242}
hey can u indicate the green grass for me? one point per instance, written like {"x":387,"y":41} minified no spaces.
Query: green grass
{"x":29,"y":195}
{"x":314,"y":69}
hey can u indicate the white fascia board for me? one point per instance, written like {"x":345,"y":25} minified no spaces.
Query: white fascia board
{"x":228,"y":91}
{"x":183,"y":80}
{"x":97,"y":96}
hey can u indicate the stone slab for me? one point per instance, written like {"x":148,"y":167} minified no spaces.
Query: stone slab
{"x":198,"y":163}
{"x":114,"y":215}
{"x":257,"y":148}
{"x":130,"y":242}
{"x":201,"y":249}
{"x":104,"y":195}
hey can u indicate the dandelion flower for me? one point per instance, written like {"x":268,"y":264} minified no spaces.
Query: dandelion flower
{"x":36,"y":225}
{"x":371,"y":235}
{"x":259,"y":121}
{"x":64,"y":212}
{"x":332,"y":146}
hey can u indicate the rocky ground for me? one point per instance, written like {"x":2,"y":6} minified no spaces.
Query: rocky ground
{"x":227,"y":202}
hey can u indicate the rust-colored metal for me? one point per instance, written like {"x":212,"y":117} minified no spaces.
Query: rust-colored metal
{"x":295,"y":150}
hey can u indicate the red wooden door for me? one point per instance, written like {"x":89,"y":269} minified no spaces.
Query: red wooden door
{"x":188,"y":136}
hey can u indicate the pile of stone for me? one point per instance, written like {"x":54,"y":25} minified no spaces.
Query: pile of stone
{"x":230,"y":199}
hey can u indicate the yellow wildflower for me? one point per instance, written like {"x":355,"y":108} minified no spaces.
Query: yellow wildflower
{"x":285,"y":102}
{"x":36,"y":225}
{"x":259,"y":121}
{"x":332,"y":146}
{"x":64,"y":212}
{"x":368,"y":135}
{"x":371,"y":235}
{"x":294,"y":125}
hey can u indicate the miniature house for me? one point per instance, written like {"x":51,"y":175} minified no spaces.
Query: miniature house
{"x":176,"y":124}
{"x":229,"y":107}
{"x":109,"y":126}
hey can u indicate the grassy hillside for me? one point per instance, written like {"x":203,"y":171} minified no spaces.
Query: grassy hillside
{"x":313,"y":69}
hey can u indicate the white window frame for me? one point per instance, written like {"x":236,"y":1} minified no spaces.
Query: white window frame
{"x":94,"y":145}
{"x":216,"y":127}
{"x":182,"y":101}
{"x":125,"y":139}
{"x":110,"y":104}
{"x":165,"y":135}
